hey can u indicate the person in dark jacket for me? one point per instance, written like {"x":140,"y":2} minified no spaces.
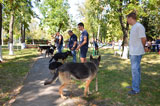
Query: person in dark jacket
{"x":73,"y":44}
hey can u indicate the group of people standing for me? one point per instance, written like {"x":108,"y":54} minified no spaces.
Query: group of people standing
{"x":137,"y":43}
{"x":73,"y":44}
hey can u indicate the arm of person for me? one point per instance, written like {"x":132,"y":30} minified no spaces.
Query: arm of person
{"x":142,"y":35}
{"x":83,"y":43}
{"x":74,"y":45}
{"x":143,"y":41}
{"x":60,"y":38}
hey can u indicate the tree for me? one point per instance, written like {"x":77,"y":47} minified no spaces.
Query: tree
{"x":91,"y":12}
{"x":55,"y":15}
{"x":1,"y":31}
{"x":151,"y":19}
{"x":114,"y":22}
{"x":18,"y":12}
{"x":25,"y":17}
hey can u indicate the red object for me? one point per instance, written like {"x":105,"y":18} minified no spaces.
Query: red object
{"x":159,"y":52}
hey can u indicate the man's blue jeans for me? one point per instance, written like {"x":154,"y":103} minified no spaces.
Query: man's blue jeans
{"x":136,"y":71}
{"x":74,"y":55}
{"x":60,"y":48}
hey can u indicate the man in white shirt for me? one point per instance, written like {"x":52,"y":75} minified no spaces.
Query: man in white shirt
{"x":137,"y":43}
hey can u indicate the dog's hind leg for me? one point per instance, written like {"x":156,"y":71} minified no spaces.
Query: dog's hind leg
{"x":87,"y":86}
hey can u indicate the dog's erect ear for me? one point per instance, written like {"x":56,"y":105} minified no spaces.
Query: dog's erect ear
{"x":68,"y":52}
{"x":91,"y":57}
{"x":99,"y":58}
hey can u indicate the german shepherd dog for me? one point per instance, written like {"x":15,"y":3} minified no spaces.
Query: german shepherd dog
{"x":80,"y":71}
{"x":53,"y":66}
{"x":41,"y":48}
{"x":62,"y":56}
{"x":50,"y":50}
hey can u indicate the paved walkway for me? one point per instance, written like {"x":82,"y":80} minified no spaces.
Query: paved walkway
{"x":34,"y":93}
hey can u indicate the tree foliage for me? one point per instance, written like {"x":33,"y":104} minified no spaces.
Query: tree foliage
{"x":55,"y":15}
{"x":113,"y":17}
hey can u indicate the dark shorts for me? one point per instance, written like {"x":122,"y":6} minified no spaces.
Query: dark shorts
{"x":83,"y":52}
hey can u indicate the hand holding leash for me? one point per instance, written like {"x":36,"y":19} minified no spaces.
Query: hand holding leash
{"x":78,"y":48}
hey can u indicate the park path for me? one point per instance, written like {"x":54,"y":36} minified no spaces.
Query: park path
{"x":34,"y":93}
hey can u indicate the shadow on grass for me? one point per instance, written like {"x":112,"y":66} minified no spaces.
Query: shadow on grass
{"x":13,"y":70}
{"x":115,"y":74}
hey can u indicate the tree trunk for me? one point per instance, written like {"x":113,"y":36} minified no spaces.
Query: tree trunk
{"x":1,"y":32}
{"x":98,"y":32}
{"x":125,"y":33}
{"x":101,"y":37}
{"x":11,"y":34}
{"x":60,"y":26}
{"x":22,"y":36}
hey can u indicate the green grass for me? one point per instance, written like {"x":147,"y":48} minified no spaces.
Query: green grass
{"x":113,"y":77}
{"x":115,"y":74}
{"x":13,"y":70}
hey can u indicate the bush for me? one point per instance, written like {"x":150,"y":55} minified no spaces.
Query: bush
{"x":37,"y":41}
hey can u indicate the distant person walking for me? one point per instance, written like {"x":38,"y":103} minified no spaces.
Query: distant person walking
{"x":59,"y":42}
{"x":73,"y":44}
{"x":157,"y":44}
{"x":137,"y":43}
{"x":84,"y":40}
{"x":95,"y":46}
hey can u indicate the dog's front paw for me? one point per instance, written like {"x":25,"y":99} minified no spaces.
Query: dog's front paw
{"x":63,"y":97}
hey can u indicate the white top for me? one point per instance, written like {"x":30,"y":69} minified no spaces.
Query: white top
{"x":135,"y":44}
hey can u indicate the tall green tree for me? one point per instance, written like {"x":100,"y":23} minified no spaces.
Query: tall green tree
{"x":19,"y":13}
{"x":55,"y":15}
{"x":25,"y":16}
{"x":151,"y":19}
{"x":91,"y":11}
{"x":1,"y":31}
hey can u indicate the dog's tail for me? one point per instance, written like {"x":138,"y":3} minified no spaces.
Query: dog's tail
{"x":51,"y":59}
{"x":55,"y":76}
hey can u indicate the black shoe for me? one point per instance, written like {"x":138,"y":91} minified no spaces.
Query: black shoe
{"x":129,"y":87}
{"x":132,"y":92}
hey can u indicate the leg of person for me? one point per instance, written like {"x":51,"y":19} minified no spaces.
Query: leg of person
{"x":60,"y":49}
{"x":85,"y":60}
{"x":61,"y":46}
{"x":74,"y":55}
{"x":95,"y":51}
{"x":139,"y":68}
{"x":83,"y":53}
{"x":157,"y":48}
{"x":82,"y":60}
{"x":136,"y":77}
{"x":154,"y":48}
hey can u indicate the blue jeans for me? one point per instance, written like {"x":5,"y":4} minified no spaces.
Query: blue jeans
{"x":60,"y":48}
{"x":157,"y":48}
{"x":136,"y":71}
{"x":74,"y":55}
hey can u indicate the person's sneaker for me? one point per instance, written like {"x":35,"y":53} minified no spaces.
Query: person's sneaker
{"x":132,"y":92}
{"x":129,"y":87}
